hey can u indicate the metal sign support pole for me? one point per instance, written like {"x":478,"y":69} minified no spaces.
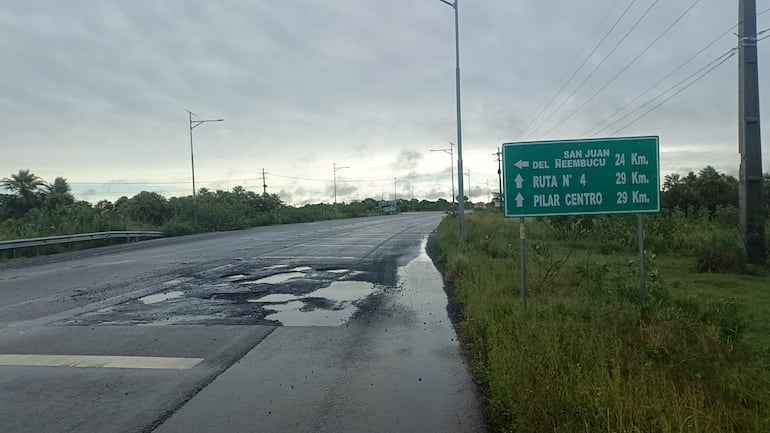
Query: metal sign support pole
{"x":642,"y":271}
{"x":522,"y":263}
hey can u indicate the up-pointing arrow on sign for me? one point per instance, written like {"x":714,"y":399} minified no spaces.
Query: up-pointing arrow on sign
{"x":519,"y":200}
{"x":519,"y":181}
{"x":521,"y":164}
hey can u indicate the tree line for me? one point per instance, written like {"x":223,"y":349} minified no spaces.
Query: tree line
{"x":33,"y":207}
{"x":707,"y":190}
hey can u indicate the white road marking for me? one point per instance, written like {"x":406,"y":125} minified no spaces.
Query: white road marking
{"x":309,"y":257}
{"x":91,"y":361}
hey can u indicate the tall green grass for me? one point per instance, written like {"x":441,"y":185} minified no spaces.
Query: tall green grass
{"x":590,"y":354}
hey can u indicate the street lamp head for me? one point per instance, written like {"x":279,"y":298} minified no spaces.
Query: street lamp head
{"x":220,"y":120}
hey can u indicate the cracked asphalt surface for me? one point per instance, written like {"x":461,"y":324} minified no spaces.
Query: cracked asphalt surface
{"x":333,"y":326}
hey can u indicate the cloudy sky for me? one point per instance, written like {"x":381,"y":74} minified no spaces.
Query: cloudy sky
{"x":96,"y":91}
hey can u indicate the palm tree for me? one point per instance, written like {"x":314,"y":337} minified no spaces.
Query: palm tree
{"x":59,"y":193}
{"x":22,"y":183}
{"x":25,"y":185}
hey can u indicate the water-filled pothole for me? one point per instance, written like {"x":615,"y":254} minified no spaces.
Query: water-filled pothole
{"x":327,"y":306}
{"x":275,"y":297}
{"x":277,"y":278}
{"x":160,"y":297}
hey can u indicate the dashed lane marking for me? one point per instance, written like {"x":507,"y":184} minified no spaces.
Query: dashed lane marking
{"x":92,"y":361}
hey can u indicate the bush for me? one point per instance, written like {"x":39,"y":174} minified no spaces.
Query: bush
{"x":180,"y":228}
{"x":723,"y":252}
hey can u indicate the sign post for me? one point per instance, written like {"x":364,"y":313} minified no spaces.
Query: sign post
{"x":582,"y":177}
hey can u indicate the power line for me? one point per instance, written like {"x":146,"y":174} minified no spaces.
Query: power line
{"x":727,"y":54}
{"x":625,"y":68}
{"x":732,"y":53}
{"x":615,"y":24}
{"x":594,"y":131}
{"x":163,"y":183}
{"x":649,"y":89}
{"x":596,"y":47}
{"x":591,"y":74}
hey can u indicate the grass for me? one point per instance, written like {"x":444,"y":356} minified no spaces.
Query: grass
{"x":589,"y":354}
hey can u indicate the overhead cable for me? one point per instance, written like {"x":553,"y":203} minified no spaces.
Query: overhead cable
{"x":625,"y":68}
{"x":585,"y":60}
{"x":598,"y":128}
{"x":591,"y":74}
{"x":731,"y":54}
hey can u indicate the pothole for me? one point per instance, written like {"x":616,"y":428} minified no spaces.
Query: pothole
{"x":336,"y":306}
{"x":276,"y":297}
{"x":160,"y":297}
{"x":277,"y":278}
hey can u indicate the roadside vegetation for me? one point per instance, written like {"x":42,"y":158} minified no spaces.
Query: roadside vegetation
{"x":589,"y":353}
{"x":35,"y":208}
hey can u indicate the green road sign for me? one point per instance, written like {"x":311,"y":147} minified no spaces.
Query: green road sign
{"x":576,"y":177}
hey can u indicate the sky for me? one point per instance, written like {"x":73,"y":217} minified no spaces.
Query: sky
{"x":96,"y":92}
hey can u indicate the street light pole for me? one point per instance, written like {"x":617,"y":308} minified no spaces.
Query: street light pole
{"x":194,"y":124}
{"x":461,"y":205}
{"x":334,"y":164}
{"x":395,"y":196}
{"x":468,"y":173}
{"x":450,"y":151}
{"x":500,"y":178}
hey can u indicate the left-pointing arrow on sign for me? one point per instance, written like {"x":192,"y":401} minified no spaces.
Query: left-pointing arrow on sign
{"x":521,"y":164}
{"x":519,"y":181}
{"x":519,"y":200}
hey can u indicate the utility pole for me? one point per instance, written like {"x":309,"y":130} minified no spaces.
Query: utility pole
{"x":489,"y":199}
{"x":412,"y":185}
{"x":334,"y":165}
{"x":264,"y":183}
{"x":395,"y":196}
{"x":194,"y":124}
{"x":500,"y":177}
{"x":750,"y":187}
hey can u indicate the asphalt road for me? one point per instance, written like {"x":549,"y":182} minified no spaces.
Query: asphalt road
{"x":334,"y":326}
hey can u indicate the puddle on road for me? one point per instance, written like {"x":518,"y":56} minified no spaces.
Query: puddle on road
{"x":276,"y":297}
{"x":292,"y":314}
{"x":344,"y":291}
{"x":338,"y":271}
{"x":237,"y":277}
{"x":292,"y":310}
{"x":302,"y":268}
{"x":273,"y":266}
{"x":160,"y":297}
{"x":277,"y":278}
{"x":176,"y":281}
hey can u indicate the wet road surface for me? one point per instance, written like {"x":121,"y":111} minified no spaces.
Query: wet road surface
{"x":331,"y":326}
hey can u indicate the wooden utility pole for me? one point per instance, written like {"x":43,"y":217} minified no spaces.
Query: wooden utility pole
{"x":264,"y":183}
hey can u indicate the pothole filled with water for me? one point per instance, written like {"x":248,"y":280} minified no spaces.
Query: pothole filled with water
{"x":277,"y":278}
{"x":160,"y":297}
{"x":337,"y":304}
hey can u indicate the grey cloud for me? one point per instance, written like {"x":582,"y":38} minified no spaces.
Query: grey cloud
{"x":98,"y":90}
{"x":407,"y":160}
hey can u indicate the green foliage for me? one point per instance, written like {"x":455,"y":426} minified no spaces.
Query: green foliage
{"x":58,"y":193}
{"x":148,"y":207}
{"x":39,"y":209}
{"x":723,"y":252}
{"x":590,"y":354}
{"x":25,"y":187}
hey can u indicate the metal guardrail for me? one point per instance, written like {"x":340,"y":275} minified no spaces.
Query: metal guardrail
{"x":52,"y":240}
